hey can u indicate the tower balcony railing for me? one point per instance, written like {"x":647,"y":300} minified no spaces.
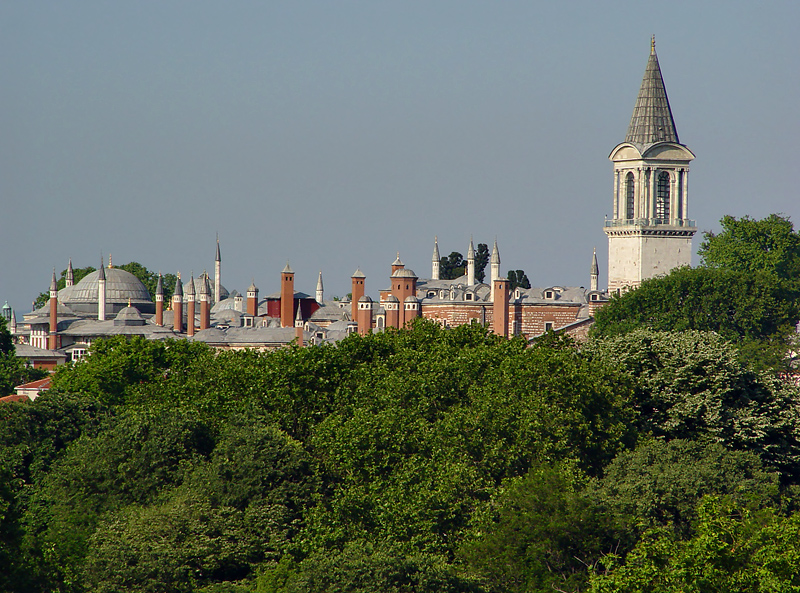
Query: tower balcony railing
{"x":641,"y":222}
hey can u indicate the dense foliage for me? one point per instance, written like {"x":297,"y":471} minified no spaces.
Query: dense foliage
{"x":13,"y":370}
{"x":415,"y":460}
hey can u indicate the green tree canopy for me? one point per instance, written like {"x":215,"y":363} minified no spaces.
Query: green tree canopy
{"x":748,"y":245}
{"x":518,"y":278}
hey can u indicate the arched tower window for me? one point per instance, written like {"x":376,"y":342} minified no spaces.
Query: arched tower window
{"x":630,"y":190}
{"x":662,"y":196}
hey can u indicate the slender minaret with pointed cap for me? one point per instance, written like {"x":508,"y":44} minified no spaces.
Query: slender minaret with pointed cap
{"x":494,"y":266}
{"x":177,"y":306}
{"x":70,"y":279}
{"x":320,"y":294}
{"x":298,"y":327}
{"x":649,"y":232}
{"x":436,"y":260}
{"x":52,"y":342}
{"x":217,"y":273}
{"x":287,"y":296}
{"x":190,"y":306}
{"x":594,"y":272}
{"x":470,"y":263}
{"x":205,"y":305}
{"x":160,"y":301}
{"x":101,"y":291}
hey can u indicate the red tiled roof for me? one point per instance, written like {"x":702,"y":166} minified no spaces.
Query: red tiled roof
{"x":41,"y":384}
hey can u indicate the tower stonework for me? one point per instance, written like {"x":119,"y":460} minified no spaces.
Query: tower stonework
{"x":650,"y":232}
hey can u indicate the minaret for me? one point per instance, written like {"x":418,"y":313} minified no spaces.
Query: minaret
{"x":252,"y":299}
{"x":70,"y":279}
{"x":435,"y":260}
{"x":52,"y":342}
{"x":217,"y":273}
{"x":320,"y":292}
{"x":470,"y":263}
{"x":494,"y":266}
{"x":177,"y":306}
{"x":649,"y":232}
{"x":160,"y":301}
{"x":356,"y":292}
{"x":190,"y":306}
{"x":13,"y":323}
{"x":101,"y":292}
{"x":594,"y":272}
{"x":287,"y":296}
{"x":205,"y":305}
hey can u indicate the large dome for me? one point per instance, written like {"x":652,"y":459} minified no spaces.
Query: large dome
{"x":121,"y":288}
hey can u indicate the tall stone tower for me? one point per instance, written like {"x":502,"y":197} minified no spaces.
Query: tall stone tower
{"x":649,"y":233}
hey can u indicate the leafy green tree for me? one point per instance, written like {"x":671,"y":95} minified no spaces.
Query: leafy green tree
{"x":748,"y":245}
{"x":150,"y":279}
{"x":13,"y":370}
{"x":661,"y":482}
{"x":750,"y":308}
{"x":545,"y":532}
{"x":733,"y":549}
{"x":482,"y":257}
{"x":452,"y":266}
{"x":692,"y":385}
{"x":518,"y":278}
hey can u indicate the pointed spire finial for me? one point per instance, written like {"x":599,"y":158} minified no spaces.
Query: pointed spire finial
{"x":110,"y":265}
{"x":653,"y":44}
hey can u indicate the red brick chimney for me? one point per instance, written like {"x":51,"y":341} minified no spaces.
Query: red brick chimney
{"x":177,"y":306}
{"x":364,"y":315}
{"x":287,"y":297}
{"x":205,"y":305}
{"x":190,"y":307}
{"x":356,"y":292}
{"x":252,"y":299}
{"x":500,"y":307}
{"x":160,"y":301}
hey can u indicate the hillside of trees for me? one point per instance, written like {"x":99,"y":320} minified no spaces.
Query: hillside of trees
{"x":663,"y":455}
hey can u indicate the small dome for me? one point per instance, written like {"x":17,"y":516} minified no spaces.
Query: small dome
{"x":129,"y":316}
{"x":391,"y":299}
{"x":365,"y":299}
{"x":411,"y":299}
{"x":404,"y":273}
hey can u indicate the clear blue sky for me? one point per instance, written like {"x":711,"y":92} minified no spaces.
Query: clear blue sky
{"x":334,"y":134}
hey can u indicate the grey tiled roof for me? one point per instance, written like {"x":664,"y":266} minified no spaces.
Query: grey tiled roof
{"x":652,"y":117}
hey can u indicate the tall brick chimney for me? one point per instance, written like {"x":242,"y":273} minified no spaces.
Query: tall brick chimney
{"x":177,"y":306}
{"x":287,"y":296}
{"x":190,"y":307}
{"x":52,"y":341}
{"x":500,"y":307}
{"x":356,"y":292}
{"x":160,"y":301}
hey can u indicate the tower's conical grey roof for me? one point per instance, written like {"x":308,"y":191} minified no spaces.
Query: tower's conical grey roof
{"x":160,"y":286}
{"x":595,"y":270}
{"x":190,"y":286}
{"x":436,"y":249}
{"x":358,"y":274}
{"x":53,"y":281}
{"x":101,"y":273}
{"x":217,"y":257}
{"x":471,"y":250}
{"x":178,"y":286}
{"x":652,"y":118}
{"x":495,"y":253}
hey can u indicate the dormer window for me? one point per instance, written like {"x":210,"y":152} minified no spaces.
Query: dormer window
{"x":595,"y":297}
{"x":468,"y":296}
{"x":549,"y":295}
{"x":517,"y":294}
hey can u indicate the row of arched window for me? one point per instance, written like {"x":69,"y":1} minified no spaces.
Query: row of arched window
{"x":662,"y":196}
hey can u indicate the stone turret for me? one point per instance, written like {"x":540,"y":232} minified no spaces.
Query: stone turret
{"x":320,"y":291}
{"x":435,"y":260}
{"x":471,"y":264}
{"x":494,"y":266}
{"x":101,"y":292}
{"x":594,"y":271}
{"x":70,"y":279}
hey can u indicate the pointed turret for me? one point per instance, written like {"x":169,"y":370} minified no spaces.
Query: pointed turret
{"x":190,"y":306}
{"x":494,"y":266}
{"x":217,"y":274}
{"x":470,"y":263}
{"x":205,"y":305}
{"x":70,"y":279}
{"x":397,"y":264}
{"x":320,"y":293}
{"x":177,"y":306}
{"x":435,"y":260}
{"x":652,"y":119}
{"x":101,"y":292}
{"x":594,"y":272}
{"x":52,"y":342}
